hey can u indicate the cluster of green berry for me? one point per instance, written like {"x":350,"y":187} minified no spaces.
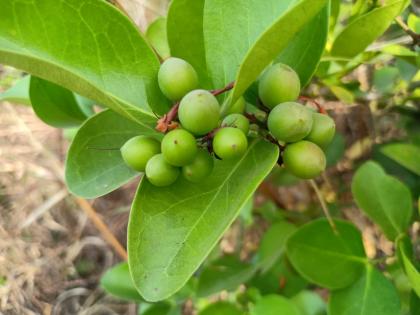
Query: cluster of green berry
{"x":196,"y":132}
{"x":304,"y":132}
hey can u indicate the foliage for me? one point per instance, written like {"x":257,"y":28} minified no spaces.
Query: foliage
{"x":90,"y":68}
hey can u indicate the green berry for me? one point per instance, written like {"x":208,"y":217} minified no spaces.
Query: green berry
{"x":238,"y":107}
{"x":179,"y":147}
{"x":160,"y":173}
{"x":237,"y":121}
{"x":200,"y":168}
{"x":278,"y":84}
{"x":230,"y":143}
{"x":290,"y":122}
{"x":137,"y":151}
{"x":323,"y":130}
{"x":176,"y":78}
{"x":304,"y":159}
{"x":199,"y":112}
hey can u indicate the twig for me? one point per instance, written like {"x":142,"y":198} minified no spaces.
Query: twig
{"x":323,"y":205}
{"x":100,"y":225}
{"x":223,"y":90}
{"x":411,"y":33}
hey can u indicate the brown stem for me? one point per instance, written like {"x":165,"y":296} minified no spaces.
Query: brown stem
{"x":316,"y":103}
{"x":411,"y":33}
{"x":228,"y":87}
{"x":103,"y":229}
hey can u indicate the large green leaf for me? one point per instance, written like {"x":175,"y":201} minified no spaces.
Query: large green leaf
{"x":221,"y":308}
{"x":227,"y":273}
{"x":411,"y":271}
{"x":85,"y":46}
{"x":117,"y":281}
{"x":185,"y":35}
{"x":185,"y":221}
{"x":325,"y":257}
{"x":18,"y":93}
{"x":274,"y":305}
{"x":405,"y":154}
{"x":273,"y":41}
{"x":273,"y":244}
{"x":230,"y":30}
{"x":304,"y":52}
{"x":385,"y":199}
{"x":371,"y":294}
{"x":54,"y":105}
{"x":157,"y":36}
{"x":363,"y":30}
{"x":94,"y":163}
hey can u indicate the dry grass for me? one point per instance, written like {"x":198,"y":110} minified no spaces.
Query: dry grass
{"x":50,"y":255}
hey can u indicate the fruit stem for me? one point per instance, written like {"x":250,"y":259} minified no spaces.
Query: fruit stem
{"x":323,"y":205}
{"x":228,"y":87}
{"x":316,"y":103}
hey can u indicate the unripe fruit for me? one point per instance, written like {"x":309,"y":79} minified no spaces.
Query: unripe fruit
{"x":237,"y":121}
{"x":304,"y":159}
{"x":179,"y":147}
{"x":278,"y":84}
{"x":200,"y":168}
{"x":160,"y":173}
{"x":238,"y":107}
{"x":323,"y":130}
{"x":290,"y":122}
{"x":229,"y":143}
{"x":199,"y":112}
{"x":176,"y":78}
{"x":137,"y":151}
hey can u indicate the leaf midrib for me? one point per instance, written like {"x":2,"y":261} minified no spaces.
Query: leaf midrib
{"x":349,"y":257}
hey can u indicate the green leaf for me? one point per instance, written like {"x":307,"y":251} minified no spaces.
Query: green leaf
{"x":405,"y":154}
{"x":304,"y":52}
{"x":186,"y":220}
{"x":362,"y":31}
{"x":273,"y":41}
{"x":274,"y":305}
{"x":221,"y":308}
{"x":315,"y":248}
{"x":309,"y":303}
{"x":383,"y":198}
{"x":88,"y":47}
{"x":55,"y":105}
{"x":185,"y":35}
{"x":230,"y":30}
{"x":94,"y":163}
{"x":280,"y":279}
{"x":18,"y":93}
{"x":412,"y":273}
{"x":156,"y":34}
{"x":157,"y":309}
{"x":117,"y":281}
{"x":342,"y":94}
{"x":414,"y":304}
{"x":371,"y":294}
{"x":273,"y":244}
{"x":227,"y":273}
